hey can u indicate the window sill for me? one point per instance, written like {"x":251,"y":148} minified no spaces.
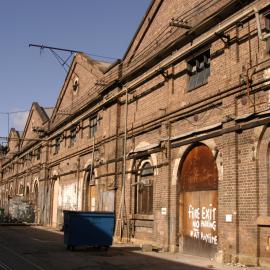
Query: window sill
{"x":263,"y":221}
{"x":142,"y":217}
{"x":190,"y":90}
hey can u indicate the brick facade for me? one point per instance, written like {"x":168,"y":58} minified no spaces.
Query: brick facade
{"x":142,"y":107}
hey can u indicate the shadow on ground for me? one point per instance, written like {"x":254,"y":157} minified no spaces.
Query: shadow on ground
{"x":46,"y":249}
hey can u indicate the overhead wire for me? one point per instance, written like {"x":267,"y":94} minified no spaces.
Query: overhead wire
{"x":101,"y":56}
{"x":161,"y":35}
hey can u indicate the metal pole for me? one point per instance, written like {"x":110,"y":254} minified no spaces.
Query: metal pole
{"x":8,"y":123}
{"x":124,"y":162}
{"x":92,"y":164}
{"x":119,"y":220}
{"x":53,"y":48}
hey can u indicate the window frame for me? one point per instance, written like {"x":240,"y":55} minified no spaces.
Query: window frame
{"x":198,"y":69}
{"x":267,"y":30}
{"x":57,"y":144}
{"x":38,"y":153}
{"x":139,"y":195}
{"x":93,"y":122}
{"x":73,"y":136}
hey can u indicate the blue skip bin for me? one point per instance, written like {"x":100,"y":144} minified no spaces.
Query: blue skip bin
{"x":88,"y":229}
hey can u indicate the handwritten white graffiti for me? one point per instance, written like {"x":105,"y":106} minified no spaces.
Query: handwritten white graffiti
{"x":204,"y":217}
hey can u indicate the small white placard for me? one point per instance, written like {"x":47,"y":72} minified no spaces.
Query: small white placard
{"x":228,"y":218}
{"x":163,"y":211}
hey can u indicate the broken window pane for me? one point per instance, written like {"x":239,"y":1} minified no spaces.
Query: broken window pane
{"x":198,"y":70}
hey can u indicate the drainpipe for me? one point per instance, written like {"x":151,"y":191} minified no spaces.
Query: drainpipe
{"x":123,"y":206}
{"x":78,"y":181}
{"x":121,"y":210}
{"x":169,"y":182}
{"x":260,"y":34}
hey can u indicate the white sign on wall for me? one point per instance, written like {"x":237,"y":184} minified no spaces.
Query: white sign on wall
{"x":228,"y":218}
{"x":164,"y":211}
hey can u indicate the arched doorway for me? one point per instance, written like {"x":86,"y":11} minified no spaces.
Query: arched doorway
{"x":27,"y":194}
{"x":198,"y":202}
{"x":90,"y":191}
{"x":55,"y":193}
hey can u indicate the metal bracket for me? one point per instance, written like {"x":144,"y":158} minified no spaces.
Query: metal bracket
{"x":164,"y":73}
{"x":225,"y":38}
{"x":100,"y":83}
{"x":179,"y":23}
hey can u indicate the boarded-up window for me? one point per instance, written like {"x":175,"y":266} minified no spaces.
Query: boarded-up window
{"x":144,"y":190}
{"x":198,"y":70}
{"x":267,"y":29}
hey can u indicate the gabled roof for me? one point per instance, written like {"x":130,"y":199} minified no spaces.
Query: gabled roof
{"x":143,"y":28}
{"x":97,"y":69}
{"x":15,"y":132}
{"x":13,"y":141}
{"x":41,"y":113}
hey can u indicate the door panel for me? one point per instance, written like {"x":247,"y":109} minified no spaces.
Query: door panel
{"x":92,"y":193}
{"x":200,"y":222}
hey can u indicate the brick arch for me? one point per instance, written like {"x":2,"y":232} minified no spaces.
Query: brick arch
{"x":211,"y":144}
{"x":263,"y":167}
{"x":153,"y":158}
{"x":205,"y":163}
{"x":176,"y":164}
{"x":196,"y":190}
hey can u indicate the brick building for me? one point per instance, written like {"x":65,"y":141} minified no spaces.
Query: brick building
{"x":174,"y":137}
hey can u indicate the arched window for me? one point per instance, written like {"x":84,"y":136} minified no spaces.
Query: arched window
{"x":27,"y":193}
{"x":21,"y":189}
{"x":144,"y":190}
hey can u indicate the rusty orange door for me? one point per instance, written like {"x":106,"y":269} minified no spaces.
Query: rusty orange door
{"x":198,"y":202}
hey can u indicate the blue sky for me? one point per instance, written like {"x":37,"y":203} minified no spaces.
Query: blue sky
{"x":102,"y":27}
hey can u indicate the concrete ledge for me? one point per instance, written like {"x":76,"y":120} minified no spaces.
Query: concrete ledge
{"x":263,"y":221}
{"x":248,"y":260}
{"x":265,"y":262}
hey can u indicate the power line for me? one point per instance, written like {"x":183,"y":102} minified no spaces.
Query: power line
{"x":22,"y":139}
{"x":14,"y":112}
{"x":101,"y":56}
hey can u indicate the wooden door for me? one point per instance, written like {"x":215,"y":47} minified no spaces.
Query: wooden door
{"x":199,"y":202}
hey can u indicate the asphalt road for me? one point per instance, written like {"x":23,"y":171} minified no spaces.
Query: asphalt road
{"x":34,"y":248}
